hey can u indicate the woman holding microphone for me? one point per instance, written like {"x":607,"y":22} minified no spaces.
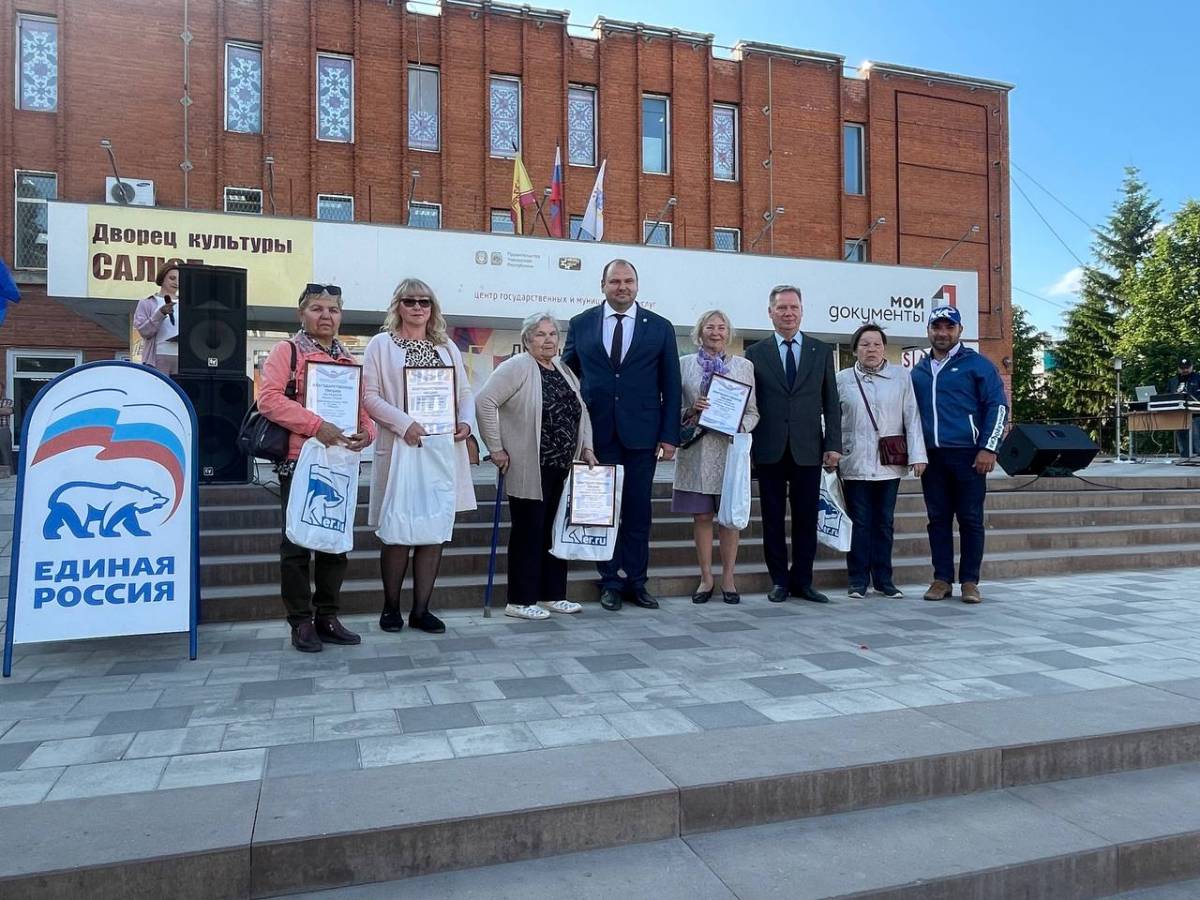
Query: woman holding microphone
{"x":532,"y":417}
{"x":156,"y":319}
{"x":414,"y":334}
{"x":700,"y":466}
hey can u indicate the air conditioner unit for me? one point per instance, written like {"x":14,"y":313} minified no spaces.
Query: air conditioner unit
{"x":137,"y":192}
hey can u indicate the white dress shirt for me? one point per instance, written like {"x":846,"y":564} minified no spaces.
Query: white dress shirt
{"x":935,"y":364}
{"x":627,"y":326}
{"x":783,"y":349}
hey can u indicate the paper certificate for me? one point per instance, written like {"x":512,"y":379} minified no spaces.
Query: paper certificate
{"x":334,"y":392}
{"x":593,"y":495}
{"x":727,"y":401}
{"x":431,"y":398}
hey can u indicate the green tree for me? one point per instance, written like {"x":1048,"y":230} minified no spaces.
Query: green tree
{"x":1028,"y":392}
{"x":1126,"y":240}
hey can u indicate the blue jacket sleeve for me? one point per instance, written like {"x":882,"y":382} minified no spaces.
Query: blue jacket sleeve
{"x":994,"y":407}
{"x":669,"y":385}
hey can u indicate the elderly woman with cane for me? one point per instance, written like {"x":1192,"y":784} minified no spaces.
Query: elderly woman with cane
{"x":533,"y":419}
{"x":700,"y":467}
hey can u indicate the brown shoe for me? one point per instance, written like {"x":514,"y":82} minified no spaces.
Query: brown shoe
{"x":970,"y":593}
{"x":304,"y":638}
{"x":939,"y":590}
{"x":331,"y":631}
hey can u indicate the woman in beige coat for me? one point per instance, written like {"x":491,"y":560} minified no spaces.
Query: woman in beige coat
{"x":414,"y":334}
{"x":533,"y":420}
{"x":700,"y":467}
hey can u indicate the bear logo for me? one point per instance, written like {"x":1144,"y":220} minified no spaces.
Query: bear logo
{"x":82,"y":505}
{"x":325,"y":502}
{"x":829,"y":517}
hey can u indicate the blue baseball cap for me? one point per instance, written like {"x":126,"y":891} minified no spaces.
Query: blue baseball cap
{"x":949,"y":313}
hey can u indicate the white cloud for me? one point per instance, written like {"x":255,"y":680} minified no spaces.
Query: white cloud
{"x":1068,"y":285}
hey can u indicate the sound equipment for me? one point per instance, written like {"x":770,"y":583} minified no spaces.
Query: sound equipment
{"x":1053,"y":450}
{"x":221,"y":404}
{"x":212,"y":326}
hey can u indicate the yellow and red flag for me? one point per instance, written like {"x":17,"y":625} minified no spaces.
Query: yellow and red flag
{"x":522,"y":194}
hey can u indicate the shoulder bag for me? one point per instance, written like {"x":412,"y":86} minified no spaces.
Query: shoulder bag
{"x":893,"y":448}
{"x":261,"y":438}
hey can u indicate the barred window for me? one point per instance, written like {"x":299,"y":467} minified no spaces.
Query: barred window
{"x":37,"y":65}
{"x":243,"y":88}
{"x":244,"y":200}
{"x":33,"y":189}
{"x":505,"y":106}
{"x":335,"y":98}
{"x":335,"y":208}
{"x":423,"y":119}
{"x":724,"y":138}
{"x":502,"y":222}
{"x":424,"y":215}
{"x":727,"y":240}
{"x":581,"y":126}
{"x":576,"y":225}
{"x":659,"y":236}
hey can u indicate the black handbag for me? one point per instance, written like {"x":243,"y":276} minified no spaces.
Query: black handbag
{"x":261,"y":438}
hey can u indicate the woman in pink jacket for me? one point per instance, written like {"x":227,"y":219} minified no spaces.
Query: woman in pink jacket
{"x":316,"y":341}
{"x":156,"y":319}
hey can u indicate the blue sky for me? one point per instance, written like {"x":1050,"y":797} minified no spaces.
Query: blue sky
{"x":1099,"y":86}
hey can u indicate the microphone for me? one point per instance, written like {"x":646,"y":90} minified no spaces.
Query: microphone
{"x":171,"y":313}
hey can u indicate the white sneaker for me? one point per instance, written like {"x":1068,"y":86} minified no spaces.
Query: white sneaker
{"x":856,"y":594}
{"x":525,"y":612}
{"x":562,"y":606}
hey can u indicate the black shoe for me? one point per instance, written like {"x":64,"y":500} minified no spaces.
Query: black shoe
{"x":610,"y":599}
{"x":810,"y":594}
{"x":427,"y":621}
{"x":702,"y":596}
{"x":391,"y":620}
{"x":644,"y":599}
{"x":891,"y":591}
{"x":331,"y":631}
{"x":731,"y":596}
{"x":305,"y":639}
{"x":777,"y":594}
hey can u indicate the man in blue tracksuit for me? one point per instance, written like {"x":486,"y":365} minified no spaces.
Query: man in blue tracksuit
{"x":964,"y":412}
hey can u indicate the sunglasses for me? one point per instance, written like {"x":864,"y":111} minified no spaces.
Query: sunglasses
{"x":331,"y":289}
{"x":413,"y":302}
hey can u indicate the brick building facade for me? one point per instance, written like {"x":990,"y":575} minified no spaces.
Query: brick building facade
{"x":934,"y":147}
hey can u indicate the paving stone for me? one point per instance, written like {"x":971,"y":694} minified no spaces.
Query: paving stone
{"x":270,"y":690}
{"x":312,"y":758}
{"x":546,"y":686}
{"x":103,"y":704}
{"x":856,"y":702}
{"x":490,"y":739}
{"x":222,"y":713}
{"x":1060,"y":659}
{"x":724,"y":626}
{"x":99,"y":779}
{"x":144,"y":666}
{"x":159,"y":718}
{"x":78,"y":751}
{"x":1084,"y":639}
{"x":570,"y":705}
{"x":610,"y":662}
{"x":1032,"y":683}
{"x":438,"y":718}
{"x":319,"y":704}
{"x":394,"y":750}
{"x":23,"y":787}
{"x":883,"y":640}
{"x":448,"y":645}
{"x":500,"y":712}
{"x":786,"y":685}
{"x":734,"y":714}
{"x":915,"y":624}
{"x":603,"y":682}
{"x":463,"y":692}
{"x":13,"y":754}
{"x":355,"y":725}
{"x":651,"y":722}
{"x":565,"y":732}
{"x":677,"y":642}
{"x":379,"y":664}
{"x":792,"y":709}
{"x":659,"y":697}
{"x":267,"y":733}
{"x":176,"y":741}
{"x":53,"y":728}
{"x":391,"y":698}
{"x":225,"y":767}
{"x":253,"y":645}
{"x":29,"y":690}
{"x":839,"y":660}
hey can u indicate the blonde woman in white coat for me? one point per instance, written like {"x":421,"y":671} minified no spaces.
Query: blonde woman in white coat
{"x":870,"y":487}
{"x":414,"y":334}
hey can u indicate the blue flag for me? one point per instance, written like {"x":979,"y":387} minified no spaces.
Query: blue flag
{"x":8,"y":291}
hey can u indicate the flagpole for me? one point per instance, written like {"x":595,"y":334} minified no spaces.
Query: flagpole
{"x":541,"y":215}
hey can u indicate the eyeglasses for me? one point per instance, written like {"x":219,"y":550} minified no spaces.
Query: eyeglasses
{"x":413,"y":302}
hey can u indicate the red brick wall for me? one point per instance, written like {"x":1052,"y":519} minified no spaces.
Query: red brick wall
{"x":932,"y":146}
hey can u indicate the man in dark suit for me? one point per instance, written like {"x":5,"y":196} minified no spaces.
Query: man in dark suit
{"x":795,"y":380}
{"x":628,"y":366}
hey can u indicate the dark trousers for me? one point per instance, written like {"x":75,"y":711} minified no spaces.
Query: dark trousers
{"x":298,"y":595}
{"x":872,"y":507}
{"x":533,"y":574}
{"x":633,"y":536}
{"x":779,"y":483}
{"x":954,"y":490}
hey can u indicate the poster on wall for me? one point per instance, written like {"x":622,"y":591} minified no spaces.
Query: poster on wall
{"x":105,"y":537}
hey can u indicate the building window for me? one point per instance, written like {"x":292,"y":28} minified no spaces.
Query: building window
{"x":335,"y":208}
{"x":581,"y":126}
{"x":656,"y":130}
{"x":28,"y":372}
{"x":243,"y":88}
{"x":576,"y":224}
{"x":727,"y":240}
{"x":502,"y":222}
{"x":505,"y":105}
{"x":661,"y":236}
{"x":423,"y":122}
{"x":724,"y":138}
{"x":853,"y":171}
{"x":244,"y":200}
{"x":335,"y":98}
{"x":854,"y":251}
{"x":37,"y":65}
{"x":425,"y":215}
{"x":33,"y":189}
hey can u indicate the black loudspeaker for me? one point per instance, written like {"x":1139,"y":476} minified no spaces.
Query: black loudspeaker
{"x":221,"y":404}
{"x":1046,"y":450}
{"x":212,"y":320}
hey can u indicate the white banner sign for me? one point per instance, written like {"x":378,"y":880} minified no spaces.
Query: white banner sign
{"x":106,"y":517}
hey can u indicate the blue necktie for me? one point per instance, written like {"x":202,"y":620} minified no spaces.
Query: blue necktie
{"x":790,"y":368}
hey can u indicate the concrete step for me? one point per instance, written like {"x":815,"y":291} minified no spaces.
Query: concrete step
{"x":472,"y":559}
{"x":1073,"y":795}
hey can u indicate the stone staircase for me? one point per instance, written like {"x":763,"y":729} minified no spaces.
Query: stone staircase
{"x":1035,"y":527}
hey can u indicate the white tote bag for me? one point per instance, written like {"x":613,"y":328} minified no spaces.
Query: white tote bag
{"x":323,"y":497}
{"x":418,"y":505}
{"x":734,"y":511}
{"x":587,"y":542}
{"x":833,"y":524}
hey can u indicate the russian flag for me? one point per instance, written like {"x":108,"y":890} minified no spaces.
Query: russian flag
{"x":10,"y":294}
{"x":556,"y":196}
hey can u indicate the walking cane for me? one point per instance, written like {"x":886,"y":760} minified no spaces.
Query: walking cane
{"x":487,"y":596}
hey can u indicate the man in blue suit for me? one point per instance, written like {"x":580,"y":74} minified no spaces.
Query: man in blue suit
{"x":628,"y":366}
